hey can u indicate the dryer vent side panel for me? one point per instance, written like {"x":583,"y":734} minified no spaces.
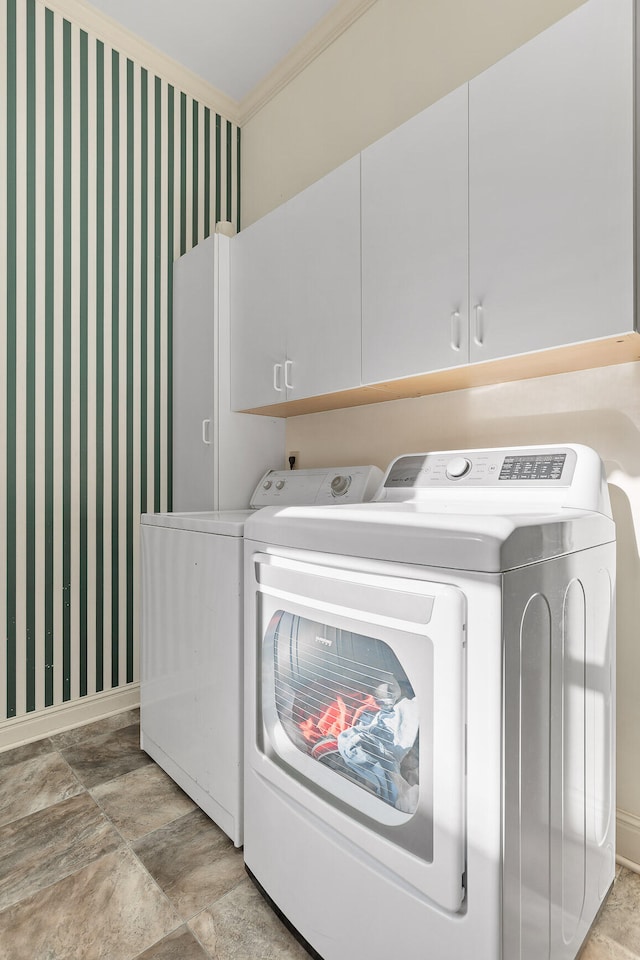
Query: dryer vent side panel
{"x":527,"y":726}
{"x":559,"y":709}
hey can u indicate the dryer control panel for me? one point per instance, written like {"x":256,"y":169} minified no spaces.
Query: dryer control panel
{"x":483,"y":468}
{"x":567,"y":475}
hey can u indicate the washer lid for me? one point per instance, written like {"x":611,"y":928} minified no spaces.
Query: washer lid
{"x":226,"y":523}
{"x":475,"y":537}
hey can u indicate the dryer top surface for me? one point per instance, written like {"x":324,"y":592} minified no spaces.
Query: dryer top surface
{"x":481,"y":510}
{"x":467,"y":539}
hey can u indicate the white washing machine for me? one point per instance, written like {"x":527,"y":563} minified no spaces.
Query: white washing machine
{"x":191,"y":634}
{"x":430,"y":707}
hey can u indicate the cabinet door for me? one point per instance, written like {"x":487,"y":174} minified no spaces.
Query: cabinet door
{"x":551,"y":187}
{"x":414,"y":245}
{"x":194,"y":366}
{"x":323,"y":270}
{"x":259,"y":305}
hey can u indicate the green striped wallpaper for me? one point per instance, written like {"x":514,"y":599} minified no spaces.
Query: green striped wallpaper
{"x":107,"y":173}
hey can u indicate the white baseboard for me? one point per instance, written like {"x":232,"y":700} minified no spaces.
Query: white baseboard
{"x":44,"y":723}
{"x":628,"y":840}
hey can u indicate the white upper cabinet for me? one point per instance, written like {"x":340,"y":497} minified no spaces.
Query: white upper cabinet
{"x":295,"y":296}
{"x":323,"y":332}
{"x":498,"y":222}
{"x":551,"y":187}
{"x":259,"y":303}
{"x":415,"y":244}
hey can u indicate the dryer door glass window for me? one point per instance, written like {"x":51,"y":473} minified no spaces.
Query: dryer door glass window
{"x":344,"y":700}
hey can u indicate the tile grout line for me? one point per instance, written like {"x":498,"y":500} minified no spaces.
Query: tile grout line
{"x":209,"y":905}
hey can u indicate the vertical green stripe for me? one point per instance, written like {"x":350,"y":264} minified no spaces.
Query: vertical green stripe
{"x":67,"y":212}
{"x":130,"y":351}
{"x":157,"y":295}
{"x":183,"y":174}
{"x":194,"y":177}
{"x":170,"y":251}
{"x":61,"y":138}
{"x":229,"y":171}
{"x":11,"y":359}
{"x":218,"y":167}
{"x":30,"y":431}
{"x":49,"y":289}
{"x":84,"y":321}
{"x":238,"y":179}
{"x":99,"y":437}
{"x":115,"y":361}
{"x":144,"y":279}
{"x":207,"y":171}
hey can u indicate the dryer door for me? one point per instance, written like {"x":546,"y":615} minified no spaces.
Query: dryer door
{"x":361,"y":710}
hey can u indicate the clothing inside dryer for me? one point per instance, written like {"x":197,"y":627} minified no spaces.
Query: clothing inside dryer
{"x":344,"y":699}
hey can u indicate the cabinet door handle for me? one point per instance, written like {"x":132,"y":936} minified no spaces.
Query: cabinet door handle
{"x":455,"y":330}
{"x":478,"y":335}
{"x":287,"y":370}
{"x":277,"y":370}
{"x":206,"y":427}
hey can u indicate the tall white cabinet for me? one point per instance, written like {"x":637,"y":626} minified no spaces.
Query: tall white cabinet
{"x":218,"y":455}
{"x":295,"y":296}
{"x":551,"y":187}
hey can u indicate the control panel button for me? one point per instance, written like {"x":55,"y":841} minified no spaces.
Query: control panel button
{"x":339,"y":485}
{"x":458,"y":467}
{"x":266,"y":485}
{"x":279,"y":484}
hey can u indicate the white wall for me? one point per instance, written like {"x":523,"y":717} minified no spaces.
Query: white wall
{"x":399,"y":57}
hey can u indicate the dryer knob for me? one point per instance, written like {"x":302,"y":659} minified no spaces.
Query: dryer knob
{"x":339,"y":485}
{"x":458,"y":467}
{"x":267,"y":485}
{"x":279,"y":484}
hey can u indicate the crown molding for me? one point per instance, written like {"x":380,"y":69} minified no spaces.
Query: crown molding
{"x":336,"y":22}
{"x":129,"y":44}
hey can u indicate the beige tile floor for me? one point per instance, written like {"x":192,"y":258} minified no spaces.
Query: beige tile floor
{"x":103,"y":857}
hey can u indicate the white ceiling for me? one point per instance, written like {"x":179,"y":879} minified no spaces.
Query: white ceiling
{"x":232,"y":44}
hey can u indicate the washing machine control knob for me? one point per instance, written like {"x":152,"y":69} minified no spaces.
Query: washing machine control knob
{"x":279,"y":484}
{"x":458,"y":467}
{"x":339,"y":485}
{"x":266,"y":485}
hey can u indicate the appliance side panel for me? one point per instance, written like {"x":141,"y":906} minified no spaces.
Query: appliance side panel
{"x":559,"y":760}
{"x":191,"y":689}
{"x":573,"y":746}
{"x":527,"y":672}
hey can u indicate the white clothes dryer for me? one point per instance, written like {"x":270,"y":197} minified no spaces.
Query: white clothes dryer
{"x":191,"y":629}
{"x":430,"y":706}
